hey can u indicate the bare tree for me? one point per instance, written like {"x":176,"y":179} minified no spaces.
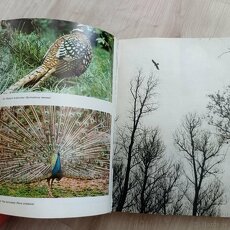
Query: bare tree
{"x":118,"y":178}
{"x":219,"y":116}
{"x":143,"y":90}
{"x":210,"y":199}
{"x":150,"y":151}
{"x":156,"y":177}
{"x":203,"y":157}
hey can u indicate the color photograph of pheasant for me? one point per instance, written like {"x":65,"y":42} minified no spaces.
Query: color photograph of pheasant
{"x":55,"y":56}
{"x":69,"y":56}
{"x":50,"y":151}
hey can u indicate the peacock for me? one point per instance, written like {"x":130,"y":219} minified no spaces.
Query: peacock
{"x":51,"y":142}
{"x":69,"y":56}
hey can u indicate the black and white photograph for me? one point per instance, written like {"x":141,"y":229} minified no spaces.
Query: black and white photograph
{"x":172,"y":132}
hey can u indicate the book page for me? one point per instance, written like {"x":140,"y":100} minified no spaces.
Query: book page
{"x":172,"y":127}
{"x":56,"y":112}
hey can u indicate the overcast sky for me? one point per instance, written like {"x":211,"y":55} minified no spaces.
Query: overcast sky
{"x":190,"y":69}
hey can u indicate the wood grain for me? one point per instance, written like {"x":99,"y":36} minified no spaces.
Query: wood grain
{"x":129,"y":19}
{"x":133,"y":18}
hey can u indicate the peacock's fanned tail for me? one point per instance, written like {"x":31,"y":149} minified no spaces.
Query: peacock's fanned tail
{"x":30,"y":137}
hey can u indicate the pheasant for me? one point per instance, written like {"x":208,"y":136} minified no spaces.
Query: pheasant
{"x":69,"y":56}
{"x":47,"y":143}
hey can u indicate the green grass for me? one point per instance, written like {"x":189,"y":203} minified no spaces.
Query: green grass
{"x":96,"y":81}
{"x":21,"y":53}
{"x":41,"y":191}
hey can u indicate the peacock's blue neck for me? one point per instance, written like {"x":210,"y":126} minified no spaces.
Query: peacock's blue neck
{"x":57,"y":167}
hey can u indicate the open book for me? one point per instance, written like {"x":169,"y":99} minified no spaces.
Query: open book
{"x":91,"y":124}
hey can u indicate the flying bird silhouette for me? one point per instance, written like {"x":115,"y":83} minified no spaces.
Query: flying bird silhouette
{"x":156,"y":64}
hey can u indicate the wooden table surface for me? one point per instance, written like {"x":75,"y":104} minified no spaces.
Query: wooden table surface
{"x":129,"y":19}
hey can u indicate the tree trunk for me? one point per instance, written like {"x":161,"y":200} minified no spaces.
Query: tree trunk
{"x":195,"y":204}
{"x":124,"y":192}
{"x":142,"y":210}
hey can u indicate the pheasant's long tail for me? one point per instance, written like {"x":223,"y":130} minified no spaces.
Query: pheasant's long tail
{"x":32,"y":79}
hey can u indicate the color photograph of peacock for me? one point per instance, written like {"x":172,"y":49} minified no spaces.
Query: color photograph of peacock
{"x":45,"y":55}
{"x":54,"y":151}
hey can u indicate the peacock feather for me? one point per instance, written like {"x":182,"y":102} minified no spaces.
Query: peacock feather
{"x":50,"y":142}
